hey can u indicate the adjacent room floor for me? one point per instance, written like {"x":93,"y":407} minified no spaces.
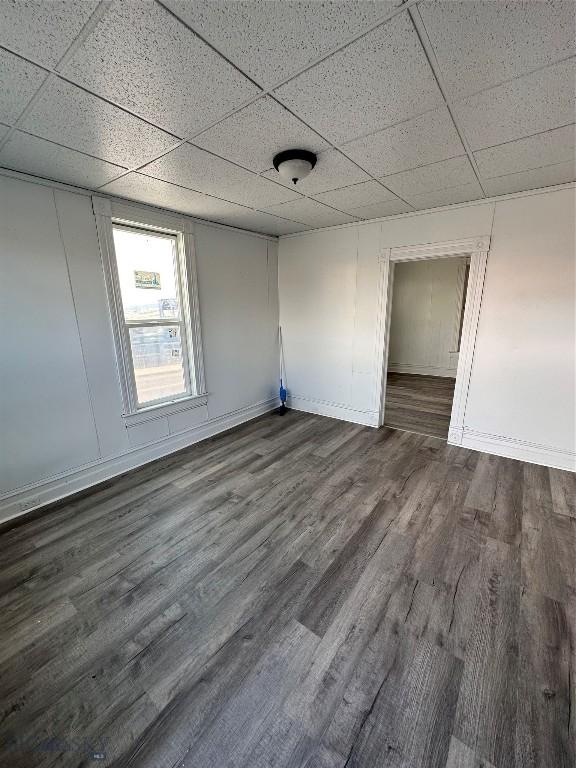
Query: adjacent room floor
{"x":419,"y":403}
{"x":297,"y":592}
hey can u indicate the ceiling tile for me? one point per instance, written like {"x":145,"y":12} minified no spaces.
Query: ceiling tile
{"x":50,"y":161}
{"x":311,"y":212}
{"x":136,"y":186}
{"x":522,"y":107}
{"x":258,"y":192}
{"x":144,"y":59}
{"x":196,"y":169}
{"x":420,"y":141}
{"x":70,"y":116}
{"x":380,"y":79}
{"x":43,"y":31}
{"x":271,"y":40}
{"x":428,"y":178}
{"x":479,"y":44}
{"x":560,"y":173}
{"x":547,"y":148}
{"x":19,"y":81}
{"x":332,"y":170}
{"x":460,"y":194}
{"x":258,"y":221}
{"x":254,"y":135}
{"x":379,"y":210}
{"x":368,"y":192}
{"x":284,"y":227}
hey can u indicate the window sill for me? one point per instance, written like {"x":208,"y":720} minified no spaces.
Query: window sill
{"x":164,"y":409}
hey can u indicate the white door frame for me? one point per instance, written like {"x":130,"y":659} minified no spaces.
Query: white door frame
{"x":477,"y":250}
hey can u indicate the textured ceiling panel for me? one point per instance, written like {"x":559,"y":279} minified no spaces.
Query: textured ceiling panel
{"x":448,"y":173}
{"x":271,"y":40}
{"x":258,"y":192}
{"x":43,"y":30}
{"x":378,"y":210}
{"x":191,"y":167}
{"x":310,"y":212}
{"x":266,"y":223}
{"x":371,"y":110}
{"x":70,"y":116}
{"x":331,"y":171}
{"x":479,"y":44}
{"x":356,"y":195}
{"x":422,"y":140}
{"x":548,"y":148}
{"x":196,"y":169}
{"x":19,"y":81}
{"x":560,"y":173}
{"x":522,"y":107}
{"x":377,"y":81}
{"x":136,"y":186}
{"x":50,"y":161}
{"x":254,"y":135}
{"x":459,"y":194}
{"x":142,"y":58}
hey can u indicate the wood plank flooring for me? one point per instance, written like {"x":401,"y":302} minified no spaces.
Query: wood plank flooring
{"x":419,"y":403}
{"x":299,"y":593}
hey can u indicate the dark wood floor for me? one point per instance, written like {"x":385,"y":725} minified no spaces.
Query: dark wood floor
{"x":299,"y":592}
{"x":419,"y":403}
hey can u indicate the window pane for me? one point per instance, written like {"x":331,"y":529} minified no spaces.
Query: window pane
{"x":147,"y":272}
{"x":158,"y":365}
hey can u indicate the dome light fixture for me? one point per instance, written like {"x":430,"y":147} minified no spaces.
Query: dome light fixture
{"x":294,"y":164}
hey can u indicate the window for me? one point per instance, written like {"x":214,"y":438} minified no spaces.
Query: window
{"x":151,"y":285}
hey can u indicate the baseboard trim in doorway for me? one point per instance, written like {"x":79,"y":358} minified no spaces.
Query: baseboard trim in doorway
{"x":333,"y":410}
{"x":414,"y":432}
{"x":24,"y":500}
{"x":513,"y":448}
{"x":420,"y":370}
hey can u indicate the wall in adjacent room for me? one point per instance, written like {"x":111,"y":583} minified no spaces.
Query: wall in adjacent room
{"x":426,"y":310}
{"x":521,"y":396}
{"x":61,"y":421}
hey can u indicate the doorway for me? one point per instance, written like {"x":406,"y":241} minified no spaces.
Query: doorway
{"x":431,"y":297}
{"x":427,"y":312}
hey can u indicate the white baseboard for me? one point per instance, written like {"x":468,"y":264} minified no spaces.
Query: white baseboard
{"x":333,"y":410}
{"x":512,"y":448}
{"x":24,"y":500}
{"x":421,"y":370}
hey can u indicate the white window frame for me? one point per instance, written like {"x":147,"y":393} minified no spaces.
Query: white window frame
{"x":109,"y":214}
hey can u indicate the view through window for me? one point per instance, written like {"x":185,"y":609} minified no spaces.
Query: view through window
{"x":149,"y":281}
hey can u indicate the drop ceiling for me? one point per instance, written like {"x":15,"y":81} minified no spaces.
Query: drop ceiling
{"x":183,"y":104}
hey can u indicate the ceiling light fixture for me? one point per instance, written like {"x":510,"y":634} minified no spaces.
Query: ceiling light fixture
{"x":294,"y":164}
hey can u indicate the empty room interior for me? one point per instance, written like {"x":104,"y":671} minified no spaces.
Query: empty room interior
{"x":288,"y":383}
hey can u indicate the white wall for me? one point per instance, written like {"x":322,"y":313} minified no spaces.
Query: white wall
{"x":521,"y":396}
{"x":238,"y":288}
{"x":523,"y":379}
{"x":330,"y":298}
{"x":61,"y":425}
{"x":426,"y":309}
{"x":45,"y":412}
